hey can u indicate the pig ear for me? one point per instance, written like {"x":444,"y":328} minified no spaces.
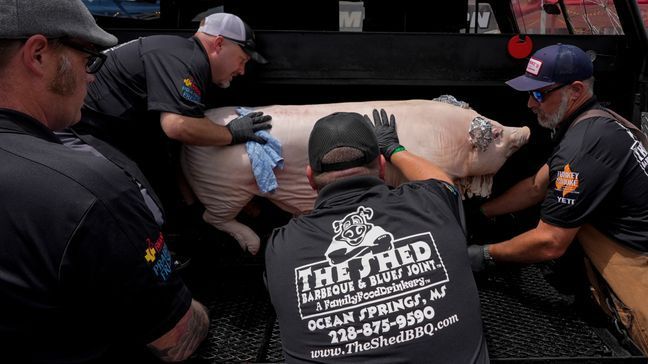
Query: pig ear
{"x":336,"y":226}
{"x":311,"y":178}
{"x":480,"y":133}
{"x":367,"y":213}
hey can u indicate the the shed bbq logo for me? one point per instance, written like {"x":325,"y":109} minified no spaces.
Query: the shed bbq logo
{"x":357,"y":236}
{"x":364,"y":265}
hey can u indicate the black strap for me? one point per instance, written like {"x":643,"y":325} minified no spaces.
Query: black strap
{"x":41,"y":153}
{"x":638,"y":134}
{"x":121,"y":161}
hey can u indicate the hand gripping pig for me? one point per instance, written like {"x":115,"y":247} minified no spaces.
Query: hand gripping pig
{"x":468,"y":146}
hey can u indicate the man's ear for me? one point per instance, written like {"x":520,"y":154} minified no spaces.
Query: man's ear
{"x":311,"y":180}
{"x":578,"y":89}
{"x":218,"y":43}
{"x":34,"y":52}
{"x":381,"y":163}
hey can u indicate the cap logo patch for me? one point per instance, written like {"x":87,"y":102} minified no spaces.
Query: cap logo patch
{"x":534,"y":66}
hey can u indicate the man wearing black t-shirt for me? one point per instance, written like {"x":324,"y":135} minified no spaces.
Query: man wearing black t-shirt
{"x":374,"y":274}
{"x":149,"y":97}
{"x":593,"y":187}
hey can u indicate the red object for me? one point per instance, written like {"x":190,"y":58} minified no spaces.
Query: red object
{"x":520,"y":46}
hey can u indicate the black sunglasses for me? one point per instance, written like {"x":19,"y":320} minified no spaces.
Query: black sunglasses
{"x":539,"y":96}
{"x":95,"y":60}
{"x":249,"y":43}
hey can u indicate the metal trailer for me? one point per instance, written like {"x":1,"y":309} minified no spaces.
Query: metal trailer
{"x":411,"y":49}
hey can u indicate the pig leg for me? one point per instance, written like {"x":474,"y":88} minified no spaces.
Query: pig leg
{"x":245,"y":236}
{"x":222,"y":180}
{"x":221,"y":213}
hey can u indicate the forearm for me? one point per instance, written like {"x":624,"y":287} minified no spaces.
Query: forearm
{"x":524,"y":248}
{"x":543,"y":243}
{"x":194,"y":131}
{"x":179,"y":343}
{"x":526,"y":193}
{"x":415,"y":168}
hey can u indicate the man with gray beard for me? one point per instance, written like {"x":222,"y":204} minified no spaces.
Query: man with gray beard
{"x":592,"y":188}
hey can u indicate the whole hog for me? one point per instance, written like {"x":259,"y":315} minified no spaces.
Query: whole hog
{"x":468,"y":146}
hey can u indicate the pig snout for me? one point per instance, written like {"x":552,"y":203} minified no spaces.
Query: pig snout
{"x":506,"y":142}
{"x":516,"y":139}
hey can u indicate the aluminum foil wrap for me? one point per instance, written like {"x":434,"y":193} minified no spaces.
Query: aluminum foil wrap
{"x":481,"y":133}
{"x":449,"y":99}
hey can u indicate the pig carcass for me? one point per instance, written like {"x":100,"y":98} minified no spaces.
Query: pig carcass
{"x":468,"y":146}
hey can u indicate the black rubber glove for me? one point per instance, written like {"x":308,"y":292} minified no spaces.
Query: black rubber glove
{"x":244,"y":127}
{"x":385,"y":129}
{"x":480,"y":259}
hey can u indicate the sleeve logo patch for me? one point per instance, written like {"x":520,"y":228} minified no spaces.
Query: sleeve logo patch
{"x":567,"y":182}
{"x":157,"y":256}
{"x":190,"y":91}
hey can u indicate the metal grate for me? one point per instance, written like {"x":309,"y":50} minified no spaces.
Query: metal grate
{"x":275,"y":352}
{"x":525,"y":317}
{"x":237,"y":330}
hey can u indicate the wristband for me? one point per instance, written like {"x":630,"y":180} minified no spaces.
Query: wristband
{"x":400,"y":148}
{"x":490,"y":262}
{"x":481,"y":210}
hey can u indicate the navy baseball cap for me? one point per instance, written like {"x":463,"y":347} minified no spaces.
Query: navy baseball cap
{"x":555,"y":64}
{"x":341,"y":129}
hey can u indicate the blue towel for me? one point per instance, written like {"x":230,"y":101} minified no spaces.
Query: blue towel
{"x":264,"y":158}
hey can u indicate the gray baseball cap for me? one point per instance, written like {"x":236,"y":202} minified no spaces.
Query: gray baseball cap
{"x":231,"y":27}
{"x":20,"y":19}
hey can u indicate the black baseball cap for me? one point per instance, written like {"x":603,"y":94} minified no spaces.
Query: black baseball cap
{"x":341,"y":129}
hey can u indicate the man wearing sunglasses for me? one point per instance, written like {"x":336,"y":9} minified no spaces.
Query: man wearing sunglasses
{"x":85,"y":274}
{"x":593,"y":188}
{"x":150,"y":97}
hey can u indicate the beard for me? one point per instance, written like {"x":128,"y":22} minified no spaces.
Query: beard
{"x":64,"y":82}
{"x":550,"y":121}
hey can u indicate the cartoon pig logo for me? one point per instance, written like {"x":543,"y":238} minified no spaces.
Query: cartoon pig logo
{"x":356,"y":236}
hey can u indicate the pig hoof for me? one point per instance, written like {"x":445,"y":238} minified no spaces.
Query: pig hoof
{"x":250,"y":246}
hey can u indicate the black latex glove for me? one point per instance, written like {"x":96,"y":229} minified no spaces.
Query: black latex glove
{"x":244,"y":127}
{"x":385,"y":129}
{"x":477,"y":256}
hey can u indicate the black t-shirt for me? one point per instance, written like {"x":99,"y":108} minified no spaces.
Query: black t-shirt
{"x":141,"y":79}
{"x":376,"y":274}
{"x":157,"y":73}
{"x":599,"y":174}
{"x":84,"y":268}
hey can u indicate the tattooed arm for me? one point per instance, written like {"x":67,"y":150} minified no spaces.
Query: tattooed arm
{"x":181,"y":341}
